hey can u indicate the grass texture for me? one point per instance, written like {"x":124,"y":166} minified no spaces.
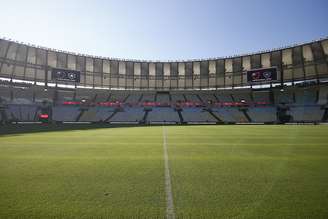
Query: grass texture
{"x":217,"y":172}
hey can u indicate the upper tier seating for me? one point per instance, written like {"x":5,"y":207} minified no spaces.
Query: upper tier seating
{"x":118,"y":96}
{"x":22,"y":95}
{"x":102,"y":96}
{"x":133,"y":98}
{"x":261,"y":96}
{"x":305,"y":96}
{"x":177,"y":97}
{"x":192,"y":97}
{"x":206,"y":97}
{"x":148,"y":97}
{"x":65,"y":95}
{"x":85,"y":94}
{"x":44,"y":95}
{"x":5,"y":93}
{"x":163,"y":98}
{"x":285,"y":96}
{"x":224,"y":97}
{"x":240,"y":96}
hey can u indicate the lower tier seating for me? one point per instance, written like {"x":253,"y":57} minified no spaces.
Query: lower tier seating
{"x":163,"y":114}
{"x":129,"y":115}
{"x":307,"y":113}
{"x":65,"y":113}
{"x":262,"y":114}
{"x":197,"y":115}
{"x":96,"y":114}
{"x":230,"y":114}
{"x":137,"y":114}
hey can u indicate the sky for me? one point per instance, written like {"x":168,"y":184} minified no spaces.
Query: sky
{"x":164,"y":30}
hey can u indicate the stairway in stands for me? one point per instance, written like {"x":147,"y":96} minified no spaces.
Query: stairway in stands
{"x":215,"y":116}
{"x":246,"y":115}
{"x":325,"y":116}
{"x":80,"y":114}
{"x":144,"y":119}
{"x":180,"y":116}
{"x":126,"y":98}
{"x":111,"y":116}
{"x":140,"y":98}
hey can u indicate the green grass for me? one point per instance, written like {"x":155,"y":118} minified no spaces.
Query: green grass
{"x":216,"y":172}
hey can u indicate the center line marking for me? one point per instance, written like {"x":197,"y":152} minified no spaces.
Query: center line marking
{"x":168,"y":188}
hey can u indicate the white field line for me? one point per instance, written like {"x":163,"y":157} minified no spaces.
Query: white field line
{"x":168,"y":188}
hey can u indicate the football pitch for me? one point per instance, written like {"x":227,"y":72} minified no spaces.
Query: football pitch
{"x":205,"y":171}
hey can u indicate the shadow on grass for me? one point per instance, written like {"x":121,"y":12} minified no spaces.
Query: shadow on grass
{"x":17,"y":129}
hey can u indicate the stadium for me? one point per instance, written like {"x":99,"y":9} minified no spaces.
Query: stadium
{"x":241,"y":136}
{"x":278,"y":86}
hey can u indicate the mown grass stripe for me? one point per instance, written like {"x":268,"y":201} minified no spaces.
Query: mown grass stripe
{"x":168,"y":187}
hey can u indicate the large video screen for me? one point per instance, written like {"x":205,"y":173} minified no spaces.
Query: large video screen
{"x":65,"y":75}
{"x":262,"y":75}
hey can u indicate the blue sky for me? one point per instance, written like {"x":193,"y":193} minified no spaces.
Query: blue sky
{"x":164,"y":30}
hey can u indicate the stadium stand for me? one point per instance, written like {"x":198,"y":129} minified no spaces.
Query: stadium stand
{"x":21,"y":113}
{"x":118,"y":96}
{"x":207,"y":97}
{"x":163,"y":98}
{"x":197,"y":115}
{"x":133,"y":98}
{"x":242,"y":96}
{"x":230,"y":115}
{"x":224,"y":97}
{"x":177,"y":97}
{"x":263,"y":114}
{"x":306,"y":113}
{"x":22,"y":95}
{"x":108,"y":93}
{"x":262,"y":96}
{"x":64,"y":95}
{"x":283,"y":96}
{"x":42,"y":94}
{"x":323,"y":95}
{"x":128,"y":115}
{"x":163,"y":115}
{"x":5,"y":93}
{"x":259,"y":110}
{"x":96,"y":114}
{"x":102,"y":96}
{"x":305,"y":96}
{"x":65,"y":113}
{"x":148,"y":97}
{"x":85,"y":94}
{"x":192,"y":97}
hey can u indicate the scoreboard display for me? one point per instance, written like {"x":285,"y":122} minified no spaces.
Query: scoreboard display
{"x":65,"y":75}
{"x":262,"y":75}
